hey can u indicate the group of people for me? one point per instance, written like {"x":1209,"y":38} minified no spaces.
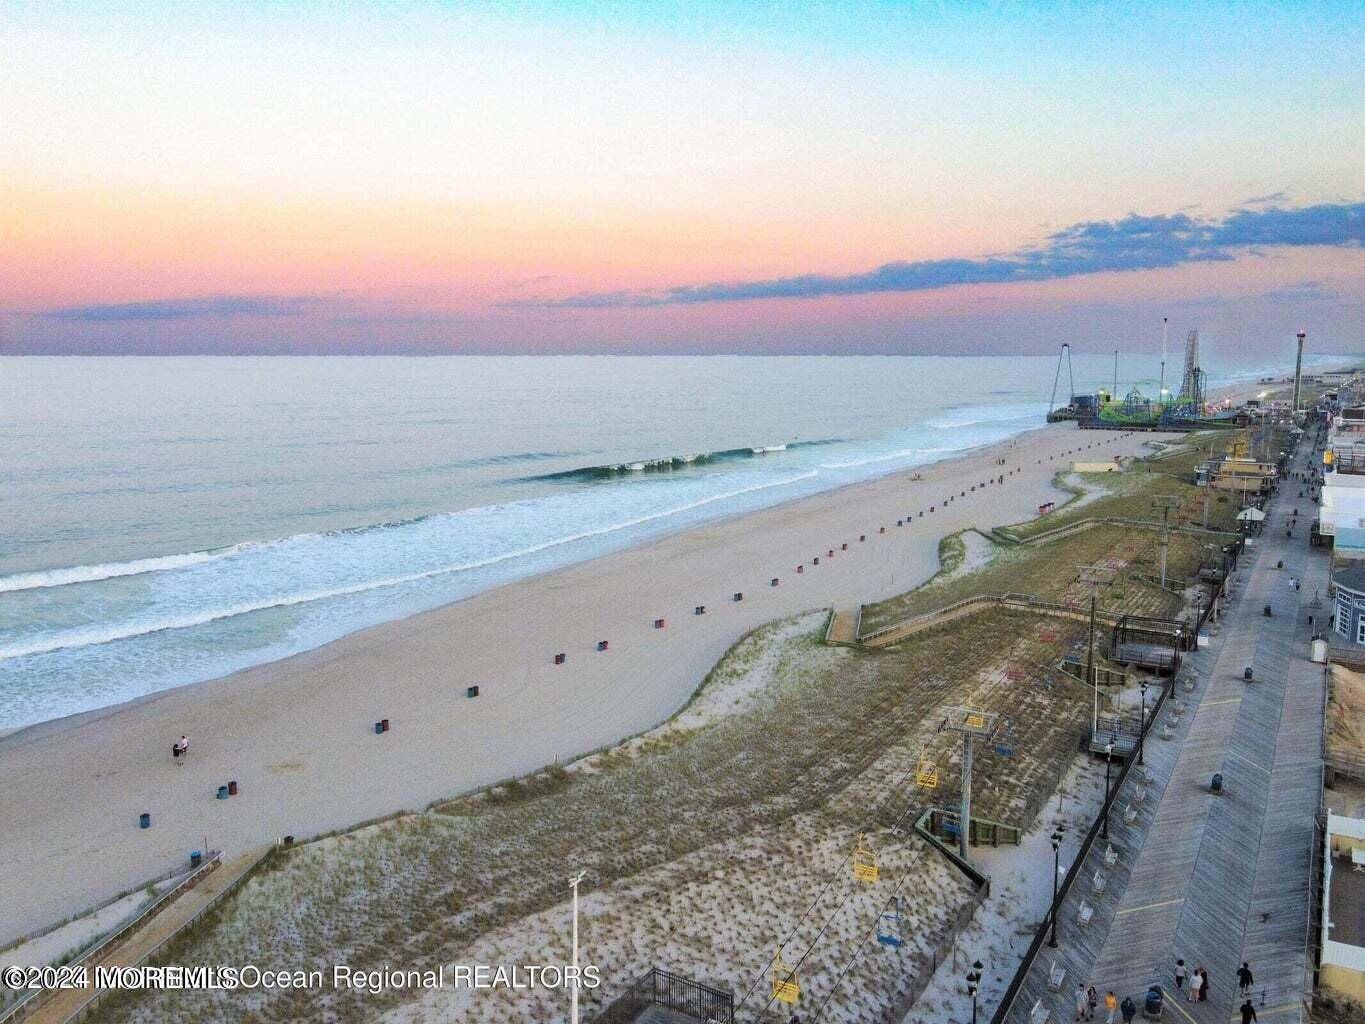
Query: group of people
{"x":180,"y":749}
{"x":1087,"y":1003}
{"x":1087,"y":999}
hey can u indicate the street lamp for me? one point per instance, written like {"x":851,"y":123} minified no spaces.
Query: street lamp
{"x":974,"y":984}
{"x":573,"y":997}
{"x":1108,"y":756}
{"x":1142,"y":725}
{"x":1056,"y":870}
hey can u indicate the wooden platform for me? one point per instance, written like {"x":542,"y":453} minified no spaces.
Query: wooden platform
{"x":1216,"y":880}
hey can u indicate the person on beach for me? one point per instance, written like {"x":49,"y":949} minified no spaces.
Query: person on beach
{"x":1203,"y":985}
{"x":1244,"y":978}
{"x":1248,"y":1012}
{"x":1082,"y":1004}
{"x":1180,"y":974}
{"x":1092,"y":998}
{"x":1111,"y":1004}
{"x":1129,"y":1009}
{"x":181,"y":749}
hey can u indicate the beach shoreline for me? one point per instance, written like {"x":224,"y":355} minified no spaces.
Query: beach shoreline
{"x":297,"y":734}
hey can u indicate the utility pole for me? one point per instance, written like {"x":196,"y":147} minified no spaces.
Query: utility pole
{"x":1208,"y":482}
{"x":1095,"y":575}
{"x":1161,"y":388}
{"x":573,"y":992}
{"x":971,"y":723}
{"x":1165,"y":504}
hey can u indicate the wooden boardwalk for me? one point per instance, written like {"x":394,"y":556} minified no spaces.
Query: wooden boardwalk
{"x":1216,"y":880}
{"x":69,"y":1004}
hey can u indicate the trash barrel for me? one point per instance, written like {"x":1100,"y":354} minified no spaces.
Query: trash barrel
{"x":699,"y":610}
{"x":658,"y":623}
{"x":1267,"y":611}
{"x":1246,"y":673}
{"x":471,"y":691}
{"x":1217,"y":784}
{"x":559,"y":659}
{"x":739,"y":596}
{"x":378,"y":728}
{"x":384,"y":722}
{"x":288,"y":840}
{"x":222,"y":793}
{"x":144,"y":820}
{"x":196,"y":858}
{"x":1151,"y":1005}
{"x":601,"y":645}
{"x":232,"y":788}
{"x":774,"y":582}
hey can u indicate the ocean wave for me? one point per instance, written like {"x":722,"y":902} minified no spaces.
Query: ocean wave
{"x":91,"y":637}
{"x":904,"y":453}
{"x":669,"y":463}
{"x":43,"y":578}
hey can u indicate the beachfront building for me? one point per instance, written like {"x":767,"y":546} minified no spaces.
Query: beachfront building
{"x":1343,"y":908}
{"x":1342,"y":503}
{"x":1248,"y":477}
{"x":1349,"y":580}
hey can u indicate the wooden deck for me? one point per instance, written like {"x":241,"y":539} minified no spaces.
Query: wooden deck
{"x":1215,"y":880}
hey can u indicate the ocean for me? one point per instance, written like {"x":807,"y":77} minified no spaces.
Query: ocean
{"x":170,"y":520}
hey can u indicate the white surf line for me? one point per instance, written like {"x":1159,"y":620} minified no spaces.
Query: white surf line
{"x":90,"y":638}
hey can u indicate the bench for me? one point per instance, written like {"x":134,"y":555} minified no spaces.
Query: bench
{"x":1099,"y":883}
{"x":1056,"y":976}
{"x":1166,"y":731}
{"x":1140,"y":794}
{"x":1130,"y":814}
{"x":1084,"y":915}
{"x":1111,"y":856}
{"x":1039,"y":1014}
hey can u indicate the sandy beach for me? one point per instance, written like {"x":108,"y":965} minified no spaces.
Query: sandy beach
{"x":298,"y":738}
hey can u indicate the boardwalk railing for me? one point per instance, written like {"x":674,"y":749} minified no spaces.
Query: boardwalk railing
{"x":980,"y":602}
{"x":36,"y":997}
{"x":98,"y":996}
{"x":1077,"y":869}
{"x":659,"y":987}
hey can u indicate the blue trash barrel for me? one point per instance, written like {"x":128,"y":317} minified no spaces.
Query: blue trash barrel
{"x":222,"y":792}
{"x":378,"y":728}
{"x":144,"y":820}
{"x":1152,"y":1004}
{"x":196,"y":858}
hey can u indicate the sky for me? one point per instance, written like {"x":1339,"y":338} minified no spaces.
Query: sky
{"x":679,"y":178}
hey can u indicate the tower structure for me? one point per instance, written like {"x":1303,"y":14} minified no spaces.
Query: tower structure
{"x":1298,"y":371}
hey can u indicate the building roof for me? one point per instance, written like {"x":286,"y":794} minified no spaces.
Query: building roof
{"x":1351,"y":576}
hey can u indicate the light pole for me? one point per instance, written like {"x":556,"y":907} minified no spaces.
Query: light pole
{"x":573,"y":992}
{"x":1108,"y":755}
{"x":974,"y":985}
{"x":1056,"y":870}
{"x":1142,"y":725}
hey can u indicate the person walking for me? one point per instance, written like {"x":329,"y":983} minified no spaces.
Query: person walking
{"x":1203,"y":985}
{"x":1111,"y":1005}
{"x":1181,"y":973}
{"x":1248,"y":1012}
{"x":1082,"y":1004}
{"x":1196,"y":979}
{"x":1129,"y":1009}
{"x":1092,"y":998}
{"x":1244,"y":978}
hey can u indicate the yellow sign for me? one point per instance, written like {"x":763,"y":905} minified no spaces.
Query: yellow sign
{"x":976,"y":721}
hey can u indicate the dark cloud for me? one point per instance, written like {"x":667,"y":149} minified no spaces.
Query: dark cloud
{"x":1134,"y":242}
{"x":220,"y":306}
